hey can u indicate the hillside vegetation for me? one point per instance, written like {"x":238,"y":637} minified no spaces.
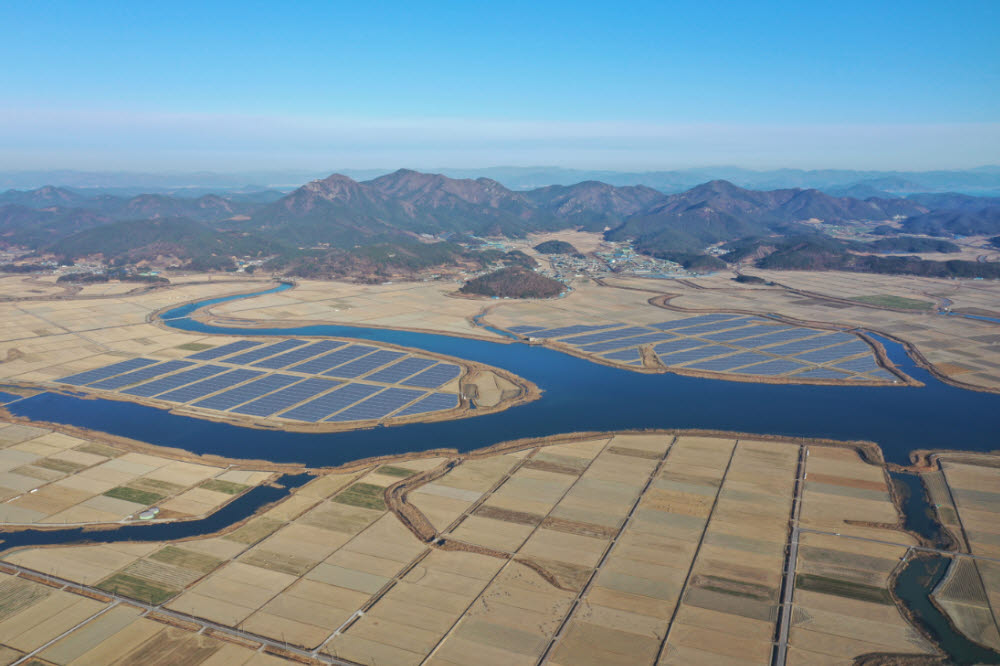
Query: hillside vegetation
{"x":513,"y":282}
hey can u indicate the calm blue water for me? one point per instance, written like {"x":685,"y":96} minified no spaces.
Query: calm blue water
{"x":577,"y":396}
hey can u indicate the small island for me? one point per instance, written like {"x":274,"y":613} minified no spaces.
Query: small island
{"x":513,"y":282}
{"x":557,"y":247}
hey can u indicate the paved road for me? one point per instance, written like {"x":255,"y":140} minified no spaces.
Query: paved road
{"x":781,"y":652}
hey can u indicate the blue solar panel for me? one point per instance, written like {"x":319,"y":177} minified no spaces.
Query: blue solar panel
{"x":365,"y":364}
{"x":776,"y":367}
{"x":315,"y":410}
{"x":524,"y":329}
{"x":158,"y":386}
{"x":863,"y":364}
{"x":716,"y":326}
{"x":820,"y":373}
{"x":782,"y":336}
{"x":210,"y":385}
{"x":400,"y":371}
{"x":224,"y":350}
{"x":694,"y":354}
{"x":297,"y":355}
{"x":836,"y":352}
{"x":378,"y":405}
{"x":799,"y":346}
{"x":740,"y":333}
{"x":729,"y":362}
{"x":434,"y":377}
{"x":570,"y":330}
{"x":140,"y":375}
{"x":678,"y":345}
{"x":241,"y":394}
{"x":631,"y":342}
{"x":691,"y":321}
{"x":883,"y":375}
{"x":605,"y":335}
{"x":262,"y":352}
{"x":94,"y":375}
{"x":285,"y":398}
{"x":339,"y":357}
{"x":434,"y":402}
{"x":625,"y":355}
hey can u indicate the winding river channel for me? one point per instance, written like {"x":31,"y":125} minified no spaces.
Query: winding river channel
{"x":577,"y":395}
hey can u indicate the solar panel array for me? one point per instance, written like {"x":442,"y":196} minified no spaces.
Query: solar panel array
{"x":779,"y":366}
{"x":272,"y":403}
{"x":164,"y":384}
{"x":246,"y":392}
{"x":605,"y":335}
{"x":862,"y":364}
{"x":378,"y":406}
{"x":570,"y":330}
{"x":730,"y":362}
{"x":822,"y":373}
{"x":434,"y":402}
{"x":224,"y":350}
{"x":210,"y":385}
{"x":799,"y":346}
{"x":695,"y":354}
{"x":740,"y":333}
{"x":678,"y":345}
{"x":249,"y":357}
{"x":140,"y":375}
{"x":328,"y":403}
{"x":365,"y":364}
{"x":691,"y":321}
{"x":524,"y":329}
{"x":434,"y":377}
{"x":624,"y":355}
{"x":84,"y":378}
{"x":840,"y":351}
{"x":298,"y":355}
{"x":779,"y":336}
{"x":327,"y":361}
{"x":397,"y":372}
{"x":628,"y":342}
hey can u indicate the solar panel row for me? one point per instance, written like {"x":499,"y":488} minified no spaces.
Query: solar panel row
{"x":82,"y":378}
{"x":821,"y":373}
{"x":570,"y":330}
{"x":775,"y":367}
{"x":210,"y":385}
{"x":691,"y":321}
{"x":835,"y":352}
{"x":273,"y":403}
{"x":740,"y":333}
{"x":730,"y":362}
{"x":624,"y":355}
{"x":678,"y":345}
{"x":606,"y":335}
{"x":297,"y":355}
{"x":397,"y":372}
{"x":715,"y":326}
{"x":883,"y":375}
{"x":862,"y":364}
{"x":249,"y":357}
{"x":524,"y":329}
{"x":333,"y":359}
{"x":434,"y":402}
{"x":695,"y":354}
{"x":434,"y":377}
{"x":379,"y":405}
{"x":365,"y":364}
{"x":629,"y":342}
{"x":246,"y":392}
{"x":224,"y":350}
{"x":778,"y":337}
{"x":140,"y":375}
{"x":158,"y":386}
{"x":799,"y":346}
{"x":328,"y":403}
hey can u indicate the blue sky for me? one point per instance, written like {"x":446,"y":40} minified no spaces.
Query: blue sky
{"x":226,"y":85}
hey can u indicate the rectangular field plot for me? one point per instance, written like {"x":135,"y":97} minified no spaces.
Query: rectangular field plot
{"x":140,"y":375}
{"x":83,"y":378}
{"x":730,"y":362}
{"x":633,"y":341}
{"x":247,"y":392}
{"x":863,"y":364}
{"x":605,"y":336}
{"x":741,"y":333}
{"x":315,"y":410}
{"x":624,"y":355}
{"x":300,"y":354}
{"x":434,"y":402}
{"x":678,"y":345}
{"x":692,"y":321}
{"x":822,"y":373}
{"x":800,"y":346}
{"x":776,"y":367}
{"x":263,"y":352}
{"x":210,"y":385}
{"x":695,"y":354}
{"x":285,"y":398}
{"x":828,"y":354}
{"x":339,"y":357}
{"x":571,"y":330}
{"x":434,"y":377}
{"x":224,"y":350}
{"x":365,"y":365}
{"x":400,"y":371}
{"x":164,"y":384}
{"x":379,"y":405}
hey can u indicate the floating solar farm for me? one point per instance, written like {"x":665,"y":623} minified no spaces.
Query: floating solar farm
{"x":726,"y":344}
{"x":327,"y":381}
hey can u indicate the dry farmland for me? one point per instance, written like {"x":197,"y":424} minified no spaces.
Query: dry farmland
{"x":627,"y":548}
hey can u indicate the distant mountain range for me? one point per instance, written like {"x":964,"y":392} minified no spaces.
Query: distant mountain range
{"x":838,"y":182}
{"x":341,"y":212}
